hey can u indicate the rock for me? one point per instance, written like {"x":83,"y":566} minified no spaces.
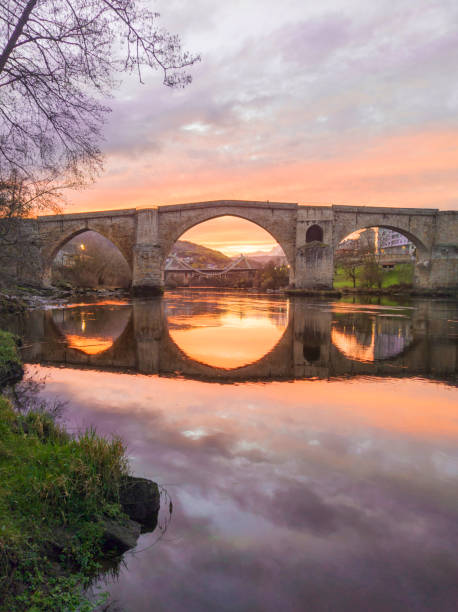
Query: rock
{"x":10,"y":373}
{"x":140,"y":499}
{"x":147,"y":291}
{"x":120,"y":537}
{"x":60,"y":540}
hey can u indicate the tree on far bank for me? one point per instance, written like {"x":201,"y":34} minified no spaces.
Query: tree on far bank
{"x":58,"y":61}
{"x":372,"y":273}
{"x":274,"y":276}
{"x":352,"y":255}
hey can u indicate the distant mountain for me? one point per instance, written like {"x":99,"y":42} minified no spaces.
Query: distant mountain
{"x":275,"y":251}
{"x":260,"y":258}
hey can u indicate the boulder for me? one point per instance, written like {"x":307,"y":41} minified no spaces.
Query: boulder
{"x":140,"y":500}
{"x":119,"y":537}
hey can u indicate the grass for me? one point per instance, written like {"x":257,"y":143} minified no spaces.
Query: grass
{"x":401,"y":274}
{"x":55,"y":492}
{"x":10,"y":363}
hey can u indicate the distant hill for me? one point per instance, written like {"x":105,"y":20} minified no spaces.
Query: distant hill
{"x":200,"y":255}
{"x":204,"y":257}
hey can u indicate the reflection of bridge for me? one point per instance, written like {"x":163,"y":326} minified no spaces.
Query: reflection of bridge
{"x":317,"y":343}
{"x":176,"y":267}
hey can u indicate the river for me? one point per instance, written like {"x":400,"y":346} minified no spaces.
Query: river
{"x":309,"y":448}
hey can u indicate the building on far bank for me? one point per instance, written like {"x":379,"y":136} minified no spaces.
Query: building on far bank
{"x":393,"y":243}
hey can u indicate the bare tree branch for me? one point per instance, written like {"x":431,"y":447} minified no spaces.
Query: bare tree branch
{"x":58,"y":60}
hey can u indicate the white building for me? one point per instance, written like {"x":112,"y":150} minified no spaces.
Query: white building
{"x":394,"y":243}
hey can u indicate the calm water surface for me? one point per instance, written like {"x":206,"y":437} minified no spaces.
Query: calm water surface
{"x":310,"y":448}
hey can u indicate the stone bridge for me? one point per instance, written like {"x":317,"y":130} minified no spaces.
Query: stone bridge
{"x":317,"y":343}
{"x":308,"y":235}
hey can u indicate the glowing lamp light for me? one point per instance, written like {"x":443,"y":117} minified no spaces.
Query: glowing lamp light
{"x":82,"y":247}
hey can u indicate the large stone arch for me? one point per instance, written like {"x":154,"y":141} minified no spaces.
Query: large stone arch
{"x":279,"y":220}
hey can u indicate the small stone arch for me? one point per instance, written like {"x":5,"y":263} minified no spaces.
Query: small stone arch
{"x":314,"y":233}
{"x":50,"y":252}
{"x":422,"y":253}
{"x":419,"y":244}
{"x":421,"y":250}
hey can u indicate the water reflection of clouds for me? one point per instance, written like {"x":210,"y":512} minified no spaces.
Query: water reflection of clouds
{"x":262,"y":519}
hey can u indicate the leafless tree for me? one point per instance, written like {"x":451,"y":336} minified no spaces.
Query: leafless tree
{"x":372,"y":273}
{"x":351,"y":254}
{"x":20,"y":198}
{"x":58,"y":59}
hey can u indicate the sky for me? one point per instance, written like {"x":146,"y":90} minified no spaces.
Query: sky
{"x":335,"y":102}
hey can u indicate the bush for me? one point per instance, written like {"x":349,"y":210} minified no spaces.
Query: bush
{"x":274,"y":277}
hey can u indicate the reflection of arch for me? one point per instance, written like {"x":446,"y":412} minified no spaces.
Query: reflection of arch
{"x":233,"y":343}
{"x":54,"y":248}
{"x":145,"y":346}
{"x":311,"y":345}
{"x":108,"y":345}
{"x":370,"y":342}
{"x":277,"y":362}
{"x":314,"y":234}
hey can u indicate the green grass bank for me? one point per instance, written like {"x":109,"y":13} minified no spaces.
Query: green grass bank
{"x":400,"y":274}
{"x":58,"y":493}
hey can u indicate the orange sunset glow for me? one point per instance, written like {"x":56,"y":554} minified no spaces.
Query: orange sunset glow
{"x":231,"y":236}
{"x":340,"y":113}
{"x":416,"y":169}
{"x":89,"y":345}
{"x":230,"y":342}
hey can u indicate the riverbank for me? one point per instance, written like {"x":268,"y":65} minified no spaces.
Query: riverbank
{"x":20,"y":298}
{"x":67,"y":504}
{"x":394,"y":290}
